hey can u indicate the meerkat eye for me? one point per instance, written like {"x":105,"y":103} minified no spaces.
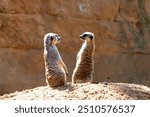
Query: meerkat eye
{"x":85,"y":35}
{"x":58,"y":37}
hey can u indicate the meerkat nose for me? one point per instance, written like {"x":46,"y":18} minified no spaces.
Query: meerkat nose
{"x":80,"y":36}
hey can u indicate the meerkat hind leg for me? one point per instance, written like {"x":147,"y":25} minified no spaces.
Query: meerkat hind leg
{"x":56,"y":81}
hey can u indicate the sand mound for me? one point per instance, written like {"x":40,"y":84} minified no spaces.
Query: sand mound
{"x":87,"y":91}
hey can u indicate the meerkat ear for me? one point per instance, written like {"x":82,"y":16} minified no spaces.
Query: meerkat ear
{"x":52,"y":38}
{"x":91,"y":37}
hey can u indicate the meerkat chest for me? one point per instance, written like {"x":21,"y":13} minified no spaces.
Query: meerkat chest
{"x":82,"y":50}
{"x":80,"y":53}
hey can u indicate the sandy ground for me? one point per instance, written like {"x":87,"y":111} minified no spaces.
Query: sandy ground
{"x":87,"y":91}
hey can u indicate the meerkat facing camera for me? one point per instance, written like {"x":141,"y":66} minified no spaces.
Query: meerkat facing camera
{"x":84,"y":64}
{"x":55,"y":70}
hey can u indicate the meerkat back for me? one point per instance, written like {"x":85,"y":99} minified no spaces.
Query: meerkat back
{"x":55,"y":69}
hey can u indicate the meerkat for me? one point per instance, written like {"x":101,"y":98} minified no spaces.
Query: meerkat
{"x":85,"y":62}
{"x":55,"y":70}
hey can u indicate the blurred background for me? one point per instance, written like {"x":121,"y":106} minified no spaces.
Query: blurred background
{"x":121,"y":28}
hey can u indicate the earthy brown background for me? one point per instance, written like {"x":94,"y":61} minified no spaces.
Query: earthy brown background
{"x":121,"y":27}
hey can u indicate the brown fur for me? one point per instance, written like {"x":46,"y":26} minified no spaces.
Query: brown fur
{"x":84,"y":66}
{"x":55,"y":79}
{"x":55,"y":69}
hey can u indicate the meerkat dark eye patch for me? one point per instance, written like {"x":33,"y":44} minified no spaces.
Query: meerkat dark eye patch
{"x":85,"y":35}
{"x":59,"y":38}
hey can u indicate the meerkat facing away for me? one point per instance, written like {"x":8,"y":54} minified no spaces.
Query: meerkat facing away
{"x":55,"y":70}
{"x":85,"y":62}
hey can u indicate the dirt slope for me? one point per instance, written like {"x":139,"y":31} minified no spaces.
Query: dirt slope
{"x":88,"y":91}
{"x":122,"y":36}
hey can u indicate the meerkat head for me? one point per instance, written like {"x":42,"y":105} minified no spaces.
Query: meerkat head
{"x":87,"y":36}
{"x":51,"y":38}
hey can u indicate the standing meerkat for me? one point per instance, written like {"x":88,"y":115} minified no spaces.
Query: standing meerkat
{"x":85,"y":62}
{"x":55,"y":70}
